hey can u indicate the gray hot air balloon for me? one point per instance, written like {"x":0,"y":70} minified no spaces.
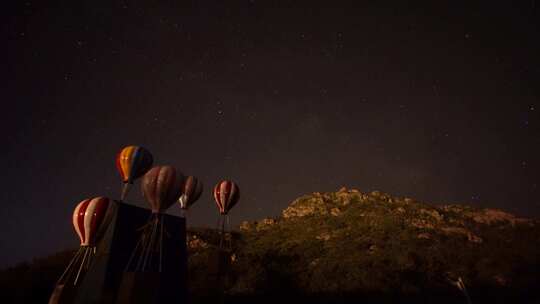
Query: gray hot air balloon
{"x":191,"y":192}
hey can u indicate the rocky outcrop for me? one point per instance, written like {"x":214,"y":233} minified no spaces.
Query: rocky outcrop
{"x":348,"y":240}
{"x":306,"y":206}
{"x":194,"y":242}
{"x":434,"y":214}
{"x":260,"y":225}
{"x":422,"y":224}
{"x":464,"y":232}
{"x":246,"y":226}
{"x":492,"y":216}
{"x":265,"y":224}
{"x":324,"y":236}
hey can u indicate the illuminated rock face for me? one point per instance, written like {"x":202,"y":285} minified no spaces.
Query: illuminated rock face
{"x":323,"y":203}
{"x":333,"y":236}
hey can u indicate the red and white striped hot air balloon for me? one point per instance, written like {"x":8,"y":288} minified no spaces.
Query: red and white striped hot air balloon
{"x":90,"y":218}
{"x":191,"y":191}
{"x":226,"y":195}
{"x":161,"y":186}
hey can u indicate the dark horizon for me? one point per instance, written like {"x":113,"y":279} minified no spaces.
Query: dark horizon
{"x":438,"y":103}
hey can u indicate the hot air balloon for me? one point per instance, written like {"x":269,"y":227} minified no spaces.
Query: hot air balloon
{"x":132,"y":162}
{"x":161,"y":186}
{"x":90,"y":218}
{"x":226,"y":195}
{"x":191,"y":191}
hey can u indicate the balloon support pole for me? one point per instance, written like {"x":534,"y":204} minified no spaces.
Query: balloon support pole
{"x":125,"y":190}
{"x":69,"y":269}
{"x":224,"y":230}
{"x":161,"y":244}
{"x":77,"y":266}
{"x":148,"y":253}
{"x":81,"y":267}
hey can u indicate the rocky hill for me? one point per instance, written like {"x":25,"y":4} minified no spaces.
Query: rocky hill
{"x":355,"y":244}
{"x":349,"y":246}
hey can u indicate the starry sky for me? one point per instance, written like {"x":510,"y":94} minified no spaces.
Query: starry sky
{"x":439,"y":103}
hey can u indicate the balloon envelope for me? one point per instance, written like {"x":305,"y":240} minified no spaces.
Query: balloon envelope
{"x":226,"y":195}
{"x":132,"y":162}
{"x":191,"y":191}
{"x":90,"y":218}
{"x":161,"y":187}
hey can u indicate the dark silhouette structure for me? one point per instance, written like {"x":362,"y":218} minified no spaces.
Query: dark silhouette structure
{"x":107,"y":280}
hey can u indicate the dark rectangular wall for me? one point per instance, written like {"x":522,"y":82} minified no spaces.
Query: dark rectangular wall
{"x":103,"y":281}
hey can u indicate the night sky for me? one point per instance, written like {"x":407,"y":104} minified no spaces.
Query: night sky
{"x":438,"y":103}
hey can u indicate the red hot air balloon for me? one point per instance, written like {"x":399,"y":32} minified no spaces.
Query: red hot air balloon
{"x":191,"y":191}
{"x":132,"y":162}
{"x":161,"y":186}
{"x":226,"y":195}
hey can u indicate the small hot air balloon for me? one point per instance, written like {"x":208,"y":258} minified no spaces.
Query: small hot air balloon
{"x":226,"y":195}
{"x":132,"y":162}
{"x":161,"y":186}
{"x":91,"y":218}
{"x":192,"y":190}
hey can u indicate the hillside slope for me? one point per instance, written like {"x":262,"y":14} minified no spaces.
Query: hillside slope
{"x":350,"y":242}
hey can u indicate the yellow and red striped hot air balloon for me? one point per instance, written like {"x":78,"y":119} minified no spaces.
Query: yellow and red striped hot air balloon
{"x":132,"y":162}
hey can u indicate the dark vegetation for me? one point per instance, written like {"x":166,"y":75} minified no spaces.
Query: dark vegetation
{"x":33,"y":282}
{"x":347,"y":247}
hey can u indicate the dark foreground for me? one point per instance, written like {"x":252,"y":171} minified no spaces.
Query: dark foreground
{"x":374,"y":298}
{"x":33,"y":283}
